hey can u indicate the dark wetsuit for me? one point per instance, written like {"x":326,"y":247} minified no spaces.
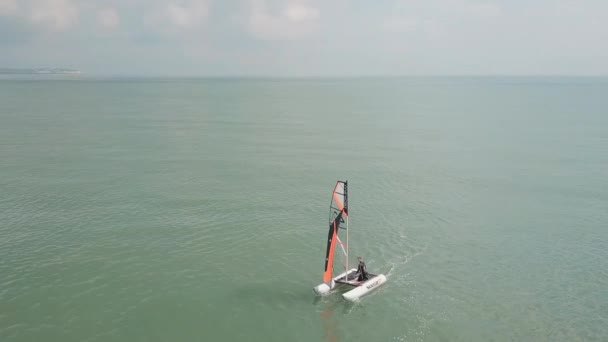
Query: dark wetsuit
{"x":362,"y":271}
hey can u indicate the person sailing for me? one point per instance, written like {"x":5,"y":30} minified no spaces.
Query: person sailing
{"x":361,"y":270}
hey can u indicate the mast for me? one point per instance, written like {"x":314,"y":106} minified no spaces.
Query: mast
{"x":346,"y":210}
{"x":346,"y":247}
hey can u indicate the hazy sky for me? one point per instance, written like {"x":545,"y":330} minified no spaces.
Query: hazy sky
{"x":307,"y":37}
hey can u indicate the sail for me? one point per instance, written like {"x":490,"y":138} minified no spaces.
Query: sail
{"x":338,"y":216}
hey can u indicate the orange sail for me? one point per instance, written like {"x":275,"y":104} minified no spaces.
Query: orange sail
{"x":329,"y":260}
{"x":338,"y":212}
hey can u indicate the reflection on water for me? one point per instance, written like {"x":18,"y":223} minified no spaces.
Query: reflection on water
{"x":329,"y":324}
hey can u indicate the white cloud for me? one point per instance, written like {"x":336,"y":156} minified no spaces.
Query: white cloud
{"x":8,"y":7}
{"x":294,"y":21}
{"x":187,"y":16}
{"x":400,"y":25}
{"x":484,"y":9}
{"x":298,"y":13}
{"x":173,"y":17}
{"x":108,"y":18}
{"x":56,"y":14}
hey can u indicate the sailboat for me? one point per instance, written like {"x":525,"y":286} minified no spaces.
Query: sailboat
{"x":338,"y":226}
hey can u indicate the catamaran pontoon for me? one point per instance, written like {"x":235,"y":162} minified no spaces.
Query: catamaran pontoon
{"x":338,"y":221}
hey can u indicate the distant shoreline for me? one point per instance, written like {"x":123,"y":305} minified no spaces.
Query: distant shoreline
{"x":39,"y":71}
{"x":76,"y":75}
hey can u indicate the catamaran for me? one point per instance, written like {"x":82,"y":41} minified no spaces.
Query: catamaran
{"x":338,"y":226}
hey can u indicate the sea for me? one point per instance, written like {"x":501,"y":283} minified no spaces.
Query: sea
{"x":196,"y":209}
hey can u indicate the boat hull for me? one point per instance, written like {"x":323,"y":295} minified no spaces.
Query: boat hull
{"x":324,"y":288}
{"x":359,"y":290}
{"x":365,"y":288}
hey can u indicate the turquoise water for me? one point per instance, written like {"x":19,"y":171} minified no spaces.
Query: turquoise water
{"x":196,"y":210}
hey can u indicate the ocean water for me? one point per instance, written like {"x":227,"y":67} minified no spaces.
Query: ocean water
{"x":196,"y":209}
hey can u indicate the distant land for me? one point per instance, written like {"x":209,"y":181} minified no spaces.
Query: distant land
{"x":38,"y":71}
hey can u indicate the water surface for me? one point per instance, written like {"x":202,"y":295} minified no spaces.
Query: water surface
{"x":180,"y":210}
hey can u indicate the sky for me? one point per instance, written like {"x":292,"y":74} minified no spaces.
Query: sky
{"x":307,"y":37}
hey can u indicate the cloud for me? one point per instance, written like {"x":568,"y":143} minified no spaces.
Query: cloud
{"x":300,"y":13}
{"x":58,"y":15}
{"x":295,"y":20}
{"x":484,"y":9}
{"x":172,"y":18}
{"x":187,"y":15}
{"x":8,"y":7}
{"x":400,"y":24}
{"x":108,"y":18}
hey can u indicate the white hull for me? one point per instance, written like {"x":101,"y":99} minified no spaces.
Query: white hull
{"x":360,"y":289}
{"x":323,"y":289}
{"x":365,"y":288}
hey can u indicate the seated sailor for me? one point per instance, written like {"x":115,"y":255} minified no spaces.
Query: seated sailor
{"x":361,"y":270}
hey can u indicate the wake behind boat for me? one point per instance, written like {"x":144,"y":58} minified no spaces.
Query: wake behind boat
{"x":361,"y":281}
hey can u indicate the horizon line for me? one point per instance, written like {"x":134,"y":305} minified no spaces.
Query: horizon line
{"x":84,"y":74}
